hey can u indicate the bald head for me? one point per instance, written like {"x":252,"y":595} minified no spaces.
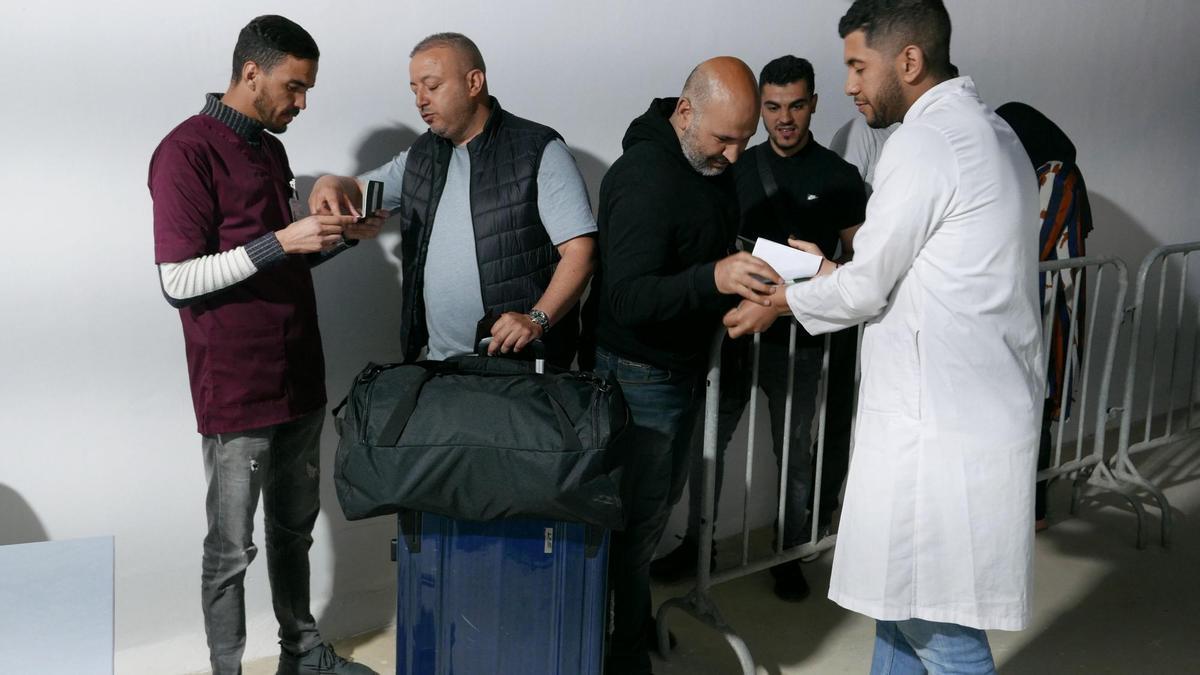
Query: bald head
{"x":716,"y":114}
{"x":725,"y":80}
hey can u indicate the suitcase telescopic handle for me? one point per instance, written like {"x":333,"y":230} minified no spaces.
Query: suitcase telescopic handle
{"x":534,"y":351}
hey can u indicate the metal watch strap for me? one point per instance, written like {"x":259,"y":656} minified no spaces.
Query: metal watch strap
{"x":539,"y":317}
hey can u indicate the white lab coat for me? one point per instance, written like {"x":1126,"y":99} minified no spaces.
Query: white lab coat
{"x":937,"y":522}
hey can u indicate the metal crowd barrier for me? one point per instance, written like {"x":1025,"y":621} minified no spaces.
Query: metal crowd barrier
{"x":1076,"y":453}
{"x":698,"y":602}
{"x":1078,"y":439}
{"x":1162,"y":425}
{"x":1102,"y":283}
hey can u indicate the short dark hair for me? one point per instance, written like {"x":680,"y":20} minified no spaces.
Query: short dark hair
{"x":269,"y":38}
{"x":898,"y":23}
{"x":786,"y":70}
{"x":458,"y":41}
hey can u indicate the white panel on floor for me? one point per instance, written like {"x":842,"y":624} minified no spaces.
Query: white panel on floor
{"x":56,"y":607}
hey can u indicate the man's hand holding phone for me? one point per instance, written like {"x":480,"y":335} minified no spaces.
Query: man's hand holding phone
{"x":338,"y":195}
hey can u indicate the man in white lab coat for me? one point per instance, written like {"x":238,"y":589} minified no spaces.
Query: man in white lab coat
{"x":935,"y":540}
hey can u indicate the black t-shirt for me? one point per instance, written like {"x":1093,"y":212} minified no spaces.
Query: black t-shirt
{"x":819,"y":194}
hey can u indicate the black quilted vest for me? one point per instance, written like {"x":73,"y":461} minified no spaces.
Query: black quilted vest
{"x":515,"y":256}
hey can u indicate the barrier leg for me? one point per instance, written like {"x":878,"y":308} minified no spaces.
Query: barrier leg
{"x":1164,"y":506}
{"x":1126,"y":473}
{"x":698,"y":604}
{"x":1081,"y":479}
{"x":1104,"y":477}
{"x":1165,"y":536}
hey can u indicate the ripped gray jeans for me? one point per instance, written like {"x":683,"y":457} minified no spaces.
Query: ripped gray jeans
{"x":281,"y":463}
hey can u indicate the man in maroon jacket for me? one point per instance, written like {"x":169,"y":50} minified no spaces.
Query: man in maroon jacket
{"x":236,"y":263}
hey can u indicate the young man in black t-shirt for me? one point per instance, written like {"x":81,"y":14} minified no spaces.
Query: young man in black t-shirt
{"x":788,"y":187}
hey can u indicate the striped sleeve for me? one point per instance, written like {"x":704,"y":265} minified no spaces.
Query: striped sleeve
{"x":184,"y":283}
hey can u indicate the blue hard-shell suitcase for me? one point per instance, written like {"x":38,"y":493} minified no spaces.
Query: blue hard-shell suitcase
{"x":507,"y":597}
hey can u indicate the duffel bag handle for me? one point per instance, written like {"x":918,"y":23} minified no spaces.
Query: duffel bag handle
{"x":393,"y":429}
{"x":407,"y":402}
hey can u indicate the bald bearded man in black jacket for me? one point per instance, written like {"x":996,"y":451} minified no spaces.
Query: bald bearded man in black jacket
{"x":667,"y":224}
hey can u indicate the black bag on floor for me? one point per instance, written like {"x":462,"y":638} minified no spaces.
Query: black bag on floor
{"x":481,"y":438}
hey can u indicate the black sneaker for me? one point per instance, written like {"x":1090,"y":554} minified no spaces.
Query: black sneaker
{"x":790,"y":584}
{"x":680,"y":563}
{"x":320,"y":660}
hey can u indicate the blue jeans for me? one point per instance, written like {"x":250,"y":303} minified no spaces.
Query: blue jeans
{"x":280,"y":463}
{"x":917,"y":646}
{"x":663,"y":406}
{"x":736,"y":372}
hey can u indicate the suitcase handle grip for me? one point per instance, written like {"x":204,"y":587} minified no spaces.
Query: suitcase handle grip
{"x":534,"y":351}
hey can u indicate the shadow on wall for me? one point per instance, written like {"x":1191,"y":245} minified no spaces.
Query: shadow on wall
{"x":593,"y":169}
{"x":358,"y":298}
{"x":1116,"y":232}
{"x":18,"y":523}
{"x":1119,"y":234}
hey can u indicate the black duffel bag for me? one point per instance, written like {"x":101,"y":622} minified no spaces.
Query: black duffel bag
{"x":481,"y":438}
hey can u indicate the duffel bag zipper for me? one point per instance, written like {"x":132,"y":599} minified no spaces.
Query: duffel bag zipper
{"x":600,"y":383}
{"x":373,"y":370}
{"x":366,"y":410}
{"x":367,"y":377}
{"x":601,"y":387}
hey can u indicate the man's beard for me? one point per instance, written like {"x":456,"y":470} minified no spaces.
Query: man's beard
{"x":888,"y":104}
{"x":263,"y":108}
{"x":451,"y":122}
{"x":699,"y":161}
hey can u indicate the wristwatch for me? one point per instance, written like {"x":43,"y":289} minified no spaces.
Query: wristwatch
{"x":539,"y":317}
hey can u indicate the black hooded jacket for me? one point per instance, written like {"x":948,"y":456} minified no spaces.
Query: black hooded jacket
{"x":1042,"y":139}
{"x":662,"y":227}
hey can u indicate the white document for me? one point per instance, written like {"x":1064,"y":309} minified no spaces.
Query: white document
{"x":791,"y":263}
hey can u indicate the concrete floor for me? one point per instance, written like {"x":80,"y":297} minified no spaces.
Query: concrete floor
{"x":1101,"y":605}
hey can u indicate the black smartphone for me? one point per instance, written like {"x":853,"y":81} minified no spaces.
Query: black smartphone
{"x":372,"y":199}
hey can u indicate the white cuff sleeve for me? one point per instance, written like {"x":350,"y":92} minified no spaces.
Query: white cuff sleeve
{"x":206,"y":274}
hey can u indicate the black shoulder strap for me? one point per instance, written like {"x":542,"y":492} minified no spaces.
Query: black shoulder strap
{"x":765,"y":175}
{"x":770,"y":187}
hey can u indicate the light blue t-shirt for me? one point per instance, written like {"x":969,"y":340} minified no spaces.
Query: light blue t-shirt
{"x":452,"y":292}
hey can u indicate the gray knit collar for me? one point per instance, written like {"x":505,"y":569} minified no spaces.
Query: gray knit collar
{"x":250,"y":130}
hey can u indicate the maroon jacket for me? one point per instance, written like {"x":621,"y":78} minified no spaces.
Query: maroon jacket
{"x":254,"y":349}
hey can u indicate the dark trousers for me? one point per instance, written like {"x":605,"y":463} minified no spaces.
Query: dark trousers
{"x":1045,"y":448}
{"x":663,"y":405}
{"x":839,"y":421}
{"x":736,"y":379}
